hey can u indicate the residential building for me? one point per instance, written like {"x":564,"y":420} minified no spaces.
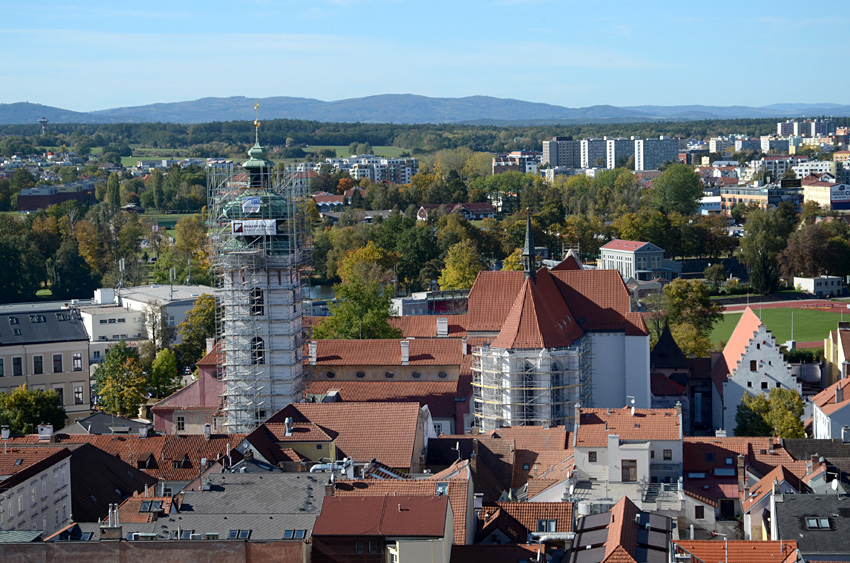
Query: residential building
{"x":523,"y":522}
{"x":536,"y":330}
{"x":413,"y":528}
{"x":786,"y":128}
{"x":175,"y":301}
{"x":618,"y":151}
{"x":815,"y":522}
{"x":746,"y":145}
{"x":718,"y":145}
{"x":593,"y":153}
{"x":524,"y":162}
{"x":769,"y":143}
{"x":768,"y":196}
{"x":815,"y":167}
{"x":47,"y":350}
{"x":750,"y":363}
{"x":35,"y":493}
{"x":822,"y":286}
{"x":623,"y":534}
{"x":725,"y":549}
{"x":563,"y":152}
{"x":470,"y":211}
{"x":831,"y":417}
{"x":652,"y":153}
{"x":42,"y":197}
{"x":836,"y":354}
{"x":634,"y":259}
{"x":197,"y":407}
{"x":756,"y":500}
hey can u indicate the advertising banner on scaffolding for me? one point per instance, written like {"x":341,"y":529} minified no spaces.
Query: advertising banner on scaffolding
{"x":253,"y":227}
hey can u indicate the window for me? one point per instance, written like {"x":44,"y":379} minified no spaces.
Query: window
{"x":749,"y":383}
{"x":358,"y":546}
{"x":389,"y":375}
{"x":814,"y":523}
{"x":244,"y":534}
{"x":257,"y":305}
{"x":764,"y":384}
{"x":442,"y":489}
{"x":546,"y":525}
{"x":37,"y":365}
{"x":699,"y":512}
{"x":57,"y":363}
{"x":709,"y":456}
{"x":373,"y":546}
{"x":61,"y":392}
{"x":103,"y":321}
{"x":44,"y":489}
{"x":416,"y":375}
{"x":629,"y":470}
{"x":753,"y":365}
{"x":258,"y":351}
{"x":438,"y":428}
{"x":652,"y":454}
{"x":78,"y":394}
{"x":181,"y":423}
{"x":77,"y":361}
{"x":668,"y":455}
{"x":17,"y":366}
{"x":186,"y":534}
{"x":778,"y":385}
{"x":442,"y":375}
{"x":2,"y":373}
{"x":591,"y":457}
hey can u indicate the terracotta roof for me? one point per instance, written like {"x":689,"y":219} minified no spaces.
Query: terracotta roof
{"x":663,"y":386}
{"x":440,"y":396}
{"x":458,"y":489}
{"x":301,"y":432}
{"x":538,"y":318}
{"x":597,"y":299}
{"x":618,"y":244}
{"x":549,"y":468}
{"x":425,"y":326}
{"x":528,"y":513}
{"x":622,"y":532}
{"x":765,"y":485}
{"x":571,"y":262}
{"x":409,"y":516}
{"x":131,"y":509}
{"x":211,"y":359}
{"x":535,"y":438}
{"x":749,"y":551}
{"x":423,"y":352}
{"x":740,"y":339}
{"x":16,"y":460}
{"x":329,"y":199}
{"x":498,"y":455}
{"x":362,"y":428}
{"x":646,"y":424}
{"x":825,"y":400}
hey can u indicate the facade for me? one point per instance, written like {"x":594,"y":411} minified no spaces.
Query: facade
{"x":836,"y":354}
{"x":35,"y":493}
{"x":652,"y":153}
{"x":562,"y":152}
{"x":750,"y":363}
{"x":538,"y":340}
{"x":827,"y":194}
{"x":593,"y":150}
{"x":634,"y":259}
{"x":831,"y":417}
{"x":815,"y":167}
{"x":47,"y":350}
{"x":260,"y":242}
{"x":176,"y":300}
{"x":822,"y":286}
{"x":765,"y":196}
{"x":618,"y":151}
{"x":524,"y":162}
{"x":42,"y":197}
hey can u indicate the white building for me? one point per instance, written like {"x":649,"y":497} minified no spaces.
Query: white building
{"x":822,"y":286}
{"x":635,"y":259}
{"x":35,"y":493}
{"x":750,"y":363}
{"x":618,"y":150}
{"x":175,"y":300}
{"x":593,"y":150}
{"x":652,"y":153}
{"x":831,"y":418}
{"x":815,"y":167}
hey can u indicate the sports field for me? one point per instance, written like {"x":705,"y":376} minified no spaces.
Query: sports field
{"x":809,"y":325}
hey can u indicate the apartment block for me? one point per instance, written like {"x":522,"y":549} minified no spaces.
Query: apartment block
{"x":652,"y":153}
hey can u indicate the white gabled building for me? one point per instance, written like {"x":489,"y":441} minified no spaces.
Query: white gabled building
{"x":750,"y":363}
{"x":831,"y":414}
{"x":35,"y":493}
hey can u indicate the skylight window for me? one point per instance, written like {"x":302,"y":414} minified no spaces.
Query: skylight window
{"x":817,"y":523}
{"x":442,"y":488}
{"x":239,"y":534}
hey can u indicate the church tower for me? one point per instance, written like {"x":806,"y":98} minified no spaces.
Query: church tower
{"x":260,"y":242}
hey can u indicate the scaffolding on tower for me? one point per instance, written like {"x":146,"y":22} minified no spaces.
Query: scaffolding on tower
{"x":260,"y":238}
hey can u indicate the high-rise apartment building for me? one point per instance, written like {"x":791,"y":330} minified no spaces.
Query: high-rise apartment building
{"x":592,"y":150}
{"x":618,"y":151}
{"x":562,"y":151}
{"x":652,"y":153}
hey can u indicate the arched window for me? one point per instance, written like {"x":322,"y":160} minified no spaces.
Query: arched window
{"x":258,"y":351}
{"x":360,"y":375}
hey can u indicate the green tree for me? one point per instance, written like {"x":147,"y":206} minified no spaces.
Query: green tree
{"x":361,"y":312}
{"x":23,"y":410}
{"x":690,"y":340}
{"x":462,"y":266}
{"x":715,"y":274}
{"x":764,"y":274}
{"x":120,"y":384}
{"x":70,"y":275}
{"x":678,"y":188}
{"x":198,"y":326}
{"x":775,"y":414}
{"x":687,"y":301}
{"x":113,"y":192}
{"x":164,"y":377}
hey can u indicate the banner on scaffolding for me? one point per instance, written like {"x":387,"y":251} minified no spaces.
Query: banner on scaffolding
{"x":253,"y":227}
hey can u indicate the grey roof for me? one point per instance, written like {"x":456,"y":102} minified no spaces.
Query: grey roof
{"x":791,"y":515}
{"x":666,"y":354}
{"x":37,"y":327}
{"x":804,"y":448}
{"x":165,"y":293}
{"x":102,"y":423}
{"x":267,"y":504}
{"x":20,"y":536}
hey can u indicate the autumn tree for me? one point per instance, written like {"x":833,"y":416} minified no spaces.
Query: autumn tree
{"x":120,"y":384}
{"x":194,"y":331}
{"x":113,"y":192}
{"x":691,"y":341}
{"x":462,"y":266}
{"x":687,"y":301}
{"x":775,"y":414}
{"x":160,"y":332}
{"x":514,"y":261}
{"x":715,"y":274}
{"x":361,"y":311}
{"x":23,"y":410}
{"x":164,"y":378}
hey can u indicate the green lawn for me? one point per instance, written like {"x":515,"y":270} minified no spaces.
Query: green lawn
{"x":809,"y":325}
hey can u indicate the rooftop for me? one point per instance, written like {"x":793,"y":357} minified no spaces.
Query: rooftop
{"x":385,"y":516}
{"x":645,"y":424}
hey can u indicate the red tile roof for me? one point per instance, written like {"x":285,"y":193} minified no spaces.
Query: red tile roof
{"x":301,"y":432}
{"x":458,"y":491}
{"x":528,"y":513}
{"x":765,"y":485}
{"x":130,"y":509}
{"x":423,"y":352}
{"x":728,"y":362}
{"x":630,"y":245}
{"x":425,"y":326}
{"x":571,"y":262}
{"x":749,"y":551}
{"x":622,"y":532}
{"x":825,"y":400}
{"x":440,"y":396}
{"x":329,"y":199}
{"x":663,"y":386}
{"x":646,"y":424}
{"x":409,"y":516}
{"x":211,"y":359}
{"x":535,"y":438}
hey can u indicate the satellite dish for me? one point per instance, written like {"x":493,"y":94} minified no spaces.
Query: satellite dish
{"x":835,"y":484}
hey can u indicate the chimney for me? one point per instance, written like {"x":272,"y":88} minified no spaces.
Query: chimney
{"x":288,"y":424}
{"x":210,"y":344}
{"x":313,"y":352}
{"x":679,"y":408}
{"x":442,"y":327}
{"x":207,"y":431}
{"x":463,"y":346}
{"x":405,"y":352}
{"x":329,"y":489}
{"x":143,"y":432}
{"x":845,"y":435}
{"x":45,"y":431}
{"x":742,"y":472}
{"x":839,"y":394}
{"x":4,"y":432}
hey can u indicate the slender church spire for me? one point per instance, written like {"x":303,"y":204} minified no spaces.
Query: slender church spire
{"x":528,"y":256}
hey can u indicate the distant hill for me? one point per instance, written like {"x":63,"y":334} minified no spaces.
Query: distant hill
{"x":403,"y":108}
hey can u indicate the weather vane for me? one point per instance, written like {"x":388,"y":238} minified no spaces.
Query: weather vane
{"x":257,"y":120}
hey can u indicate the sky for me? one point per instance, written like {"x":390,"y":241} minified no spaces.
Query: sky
{"x":86,"y":55}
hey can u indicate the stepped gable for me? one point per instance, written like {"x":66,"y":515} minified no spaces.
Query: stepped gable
{"x":666,"y":354}
{"x":728,"y":362}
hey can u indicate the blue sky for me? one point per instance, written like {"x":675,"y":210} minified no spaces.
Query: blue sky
{"x":93,"y":54}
